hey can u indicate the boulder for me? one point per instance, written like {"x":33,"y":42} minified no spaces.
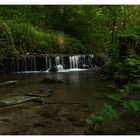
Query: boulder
{"x":53,"y":69}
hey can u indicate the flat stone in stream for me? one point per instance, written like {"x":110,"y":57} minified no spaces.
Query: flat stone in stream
{"x":15,"y":100}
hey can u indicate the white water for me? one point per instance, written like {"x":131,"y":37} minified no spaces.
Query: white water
{"x":31,"y":63}
{"x":60,"y":67}
{"x":64,"y":70}
{"x":74,"y":61}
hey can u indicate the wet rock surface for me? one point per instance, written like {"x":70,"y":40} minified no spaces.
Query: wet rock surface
{"x":15,"y":100}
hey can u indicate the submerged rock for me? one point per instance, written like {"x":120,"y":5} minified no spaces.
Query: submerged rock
{"x":38,"y":94}
{"x":45,"y":90}
{"x":52,"y":81}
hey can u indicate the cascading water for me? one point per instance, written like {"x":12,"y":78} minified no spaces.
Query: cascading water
{"x":60,"y":67}
{"x":36,"y":63}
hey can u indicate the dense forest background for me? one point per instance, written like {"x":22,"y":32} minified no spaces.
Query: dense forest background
{"x":65,"y":29}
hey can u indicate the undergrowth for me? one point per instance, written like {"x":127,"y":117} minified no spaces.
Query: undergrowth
{"x":125,"y":74}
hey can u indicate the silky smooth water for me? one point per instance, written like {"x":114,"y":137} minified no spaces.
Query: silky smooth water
{"x":32,"y":63}
{"x":79,"y":86}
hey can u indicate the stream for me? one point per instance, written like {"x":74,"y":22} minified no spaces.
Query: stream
{"x":63,"y":112}
{"x":79,"y":86}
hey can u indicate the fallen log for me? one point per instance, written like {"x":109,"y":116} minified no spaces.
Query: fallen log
{"x":8,"y":83}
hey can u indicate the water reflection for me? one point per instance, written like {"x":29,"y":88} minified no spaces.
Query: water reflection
{"x":79,"y":86}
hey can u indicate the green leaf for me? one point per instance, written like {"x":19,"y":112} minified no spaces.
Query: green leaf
{"x":132,"y":105}
{"x":108,"y":112}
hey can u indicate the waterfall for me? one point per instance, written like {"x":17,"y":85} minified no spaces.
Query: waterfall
{"x":46,"y":60}
{"x":60,"y":67}
{"x":32,"y":63}
{"x":57,"y":60}
{"x":74,"y":61}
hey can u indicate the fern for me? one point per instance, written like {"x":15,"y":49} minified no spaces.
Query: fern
{"x":132,"y":105}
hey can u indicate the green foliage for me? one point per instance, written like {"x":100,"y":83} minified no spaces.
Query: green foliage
{"x":6,"y":39}
{"x":96,"y":27}
{"x":97,"y":122}
{"x":7,"y":48}
{"x":124,"y":71}
{"x":107,"y":113}
{"x":132,"y":86}
{"x":66,"y":29}
{"x":132,"y":105}
{"x":36,"y":28}
{"x":134,"y":29}
{"x":28,"y":38}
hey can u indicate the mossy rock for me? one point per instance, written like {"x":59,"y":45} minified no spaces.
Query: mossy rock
{"x":53,"y":69}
